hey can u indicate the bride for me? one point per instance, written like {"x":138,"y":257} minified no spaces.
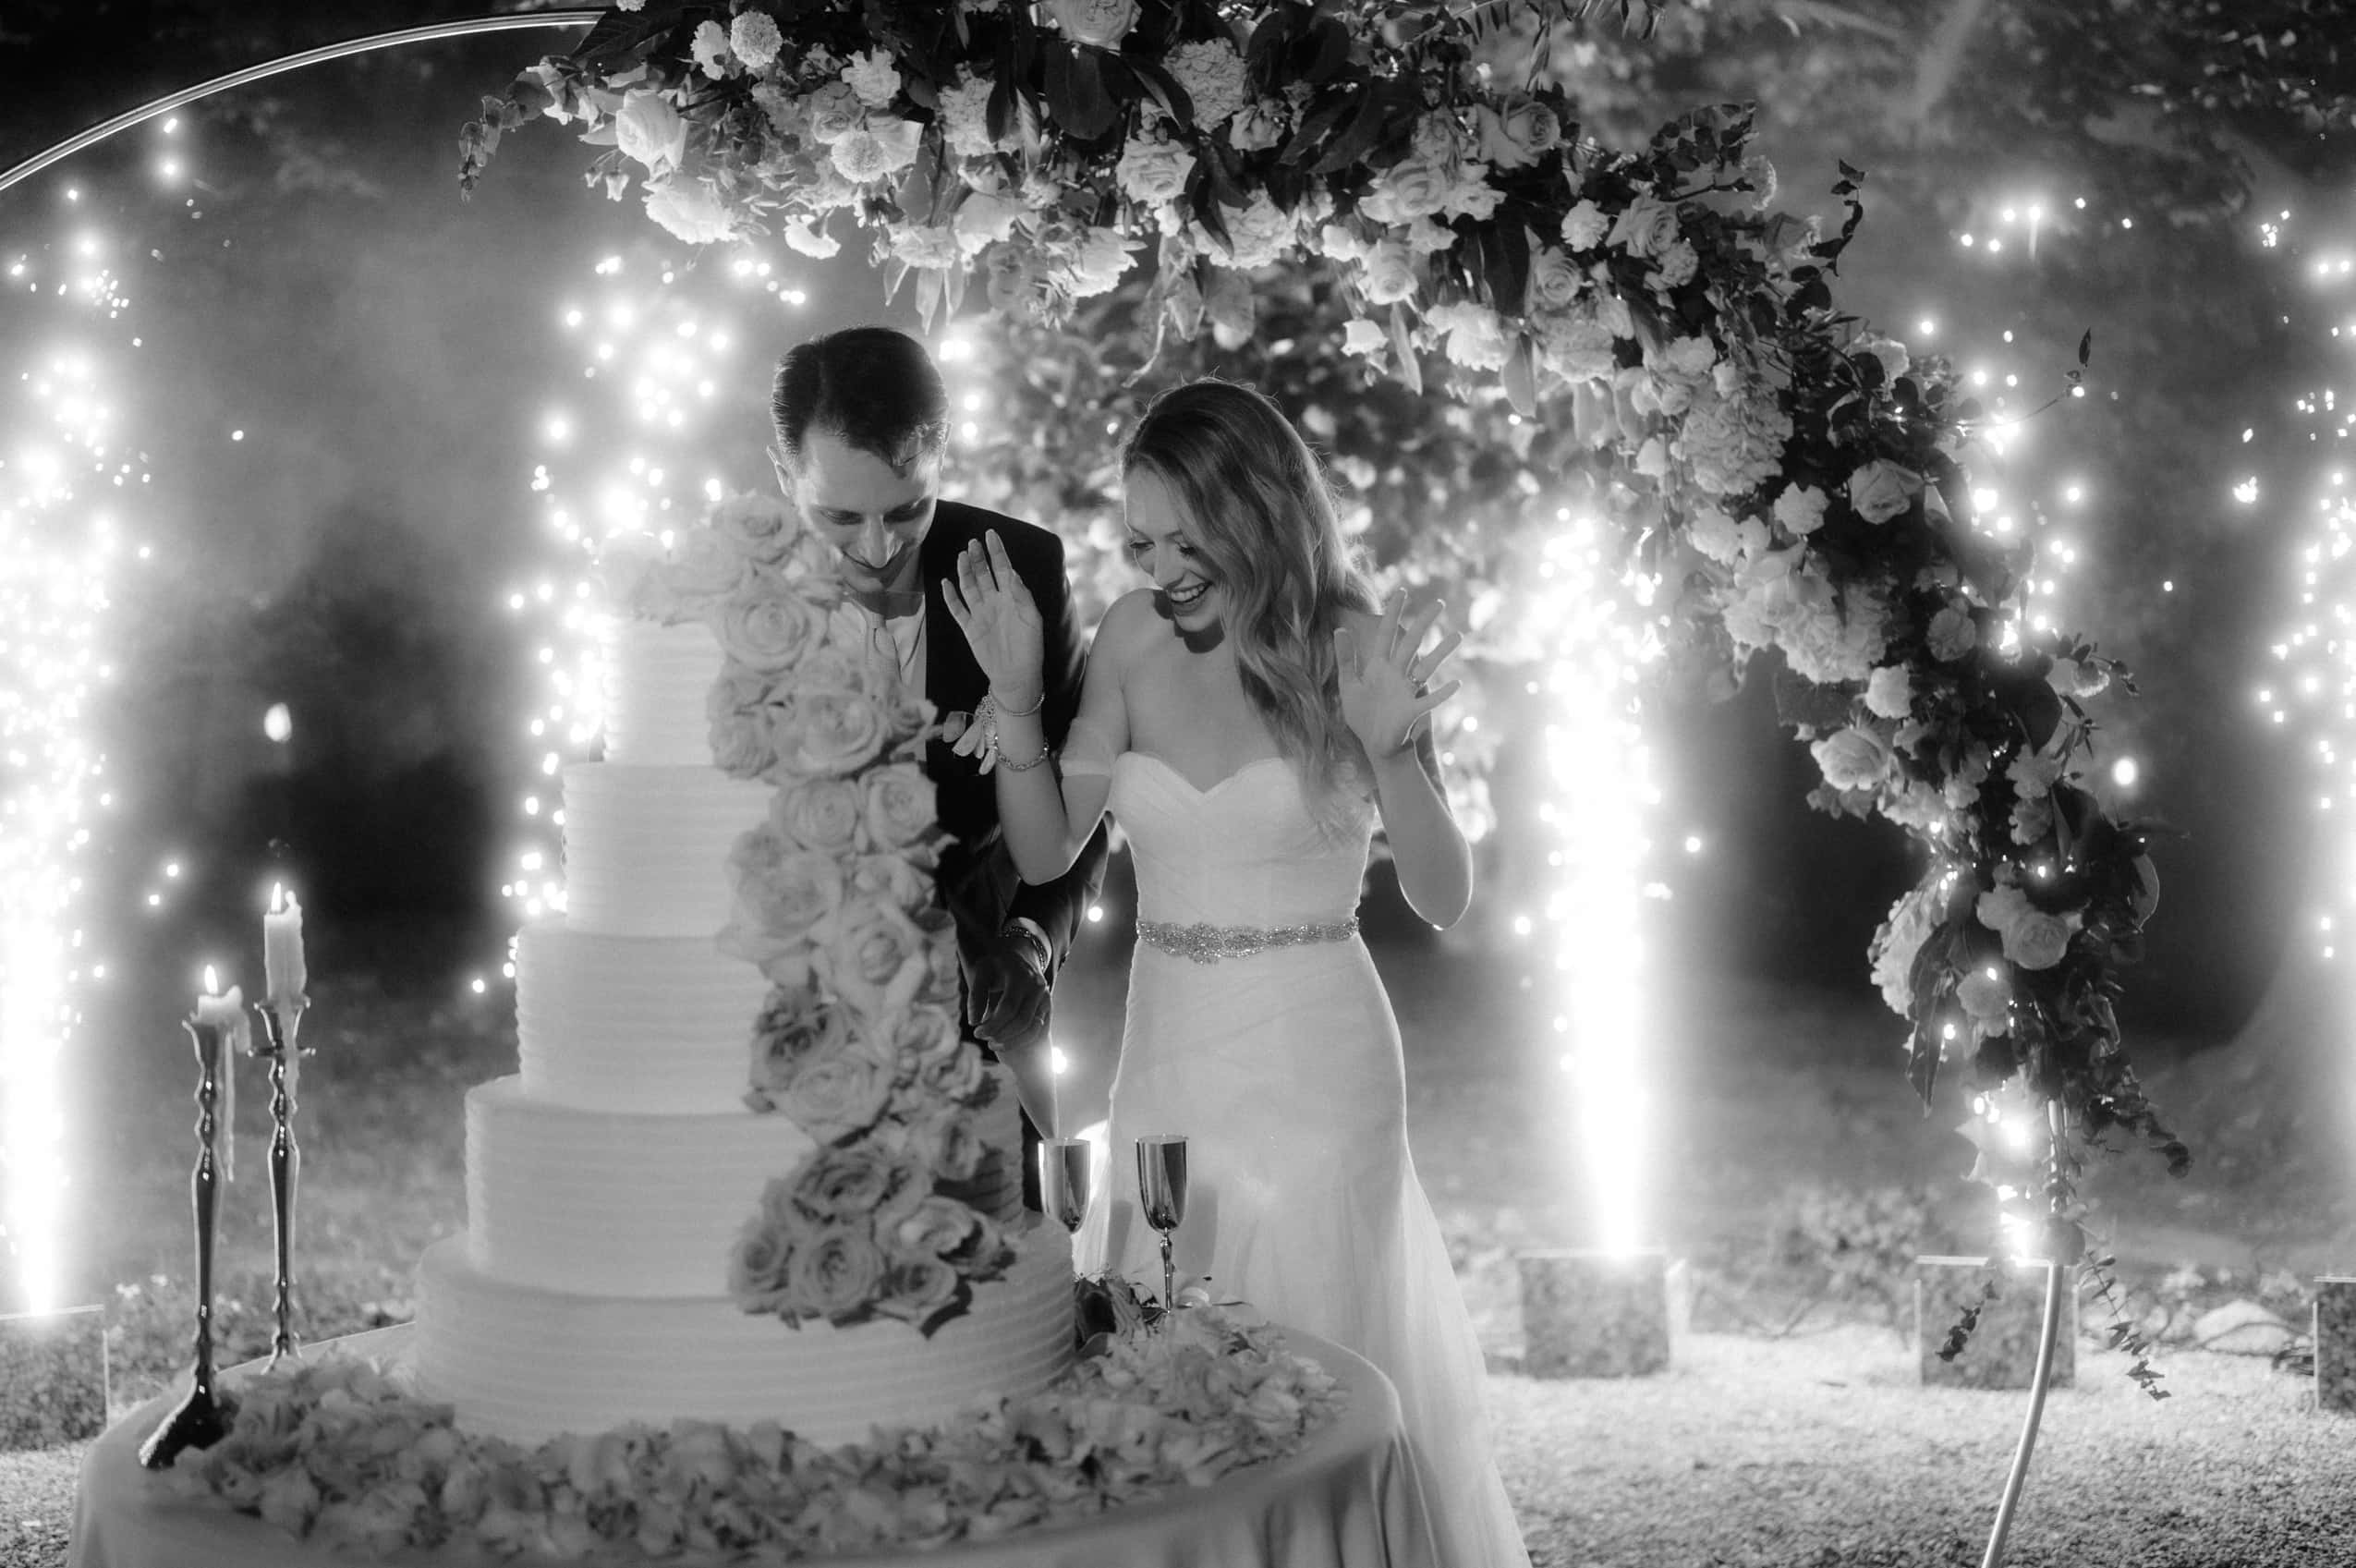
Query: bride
{"x":1247,"y":720}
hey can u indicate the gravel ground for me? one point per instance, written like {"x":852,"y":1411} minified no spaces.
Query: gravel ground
{"x":1823,"y":1451}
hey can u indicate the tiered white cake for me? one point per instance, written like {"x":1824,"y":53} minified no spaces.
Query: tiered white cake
{"x":607,"y":1181}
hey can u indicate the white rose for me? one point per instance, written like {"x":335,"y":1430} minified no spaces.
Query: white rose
{"x":1513,"y":137}
{"x":873,"y":76}
{"x":1889,"y":692}
{"x":1338,"y":244}
{"x":704,"y":566}
{"x":834,"y":113}
{"x":818,"y":813}
{"x":1800,"y":510}
{"x":1646,"y":227}
{"x":649,"y":129}
{"x":1153,"y":171}
{"x":1387,"y":272}
{"x":2032,"y":938}
{"x":1555,"y":280}
{"x":1584,"y":226}
{"x":830,"y":731}
{"x":1101,"y":22}
{"x":1881,"y":489}
{"x":1471,"y":196}
{"x":783,"y":891}
{"x":1103,"y":258}
{"x":691,"y":209}
{"x":1853,"y":758}
{"x":965,"y":117}
{"x":1892,"y":355}
{"x":900,"y":805}
{"x":1413,"y":187}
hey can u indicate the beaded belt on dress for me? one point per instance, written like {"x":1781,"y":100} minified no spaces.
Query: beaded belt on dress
{"x":1208,"y":943}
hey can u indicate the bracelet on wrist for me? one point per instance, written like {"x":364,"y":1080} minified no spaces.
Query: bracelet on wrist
{"x":1005,"y":712}
{"x":1045,"y":751}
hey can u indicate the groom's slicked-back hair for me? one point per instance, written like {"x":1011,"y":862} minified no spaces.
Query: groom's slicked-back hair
{"x":874,"y":389}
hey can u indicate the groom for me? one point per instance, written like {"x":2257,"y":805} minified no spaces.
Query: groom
{"x":861,"y":419}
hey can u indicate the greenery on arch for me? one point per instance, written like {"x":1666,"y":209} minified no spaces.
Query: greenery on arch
{"x":1643,"y":323}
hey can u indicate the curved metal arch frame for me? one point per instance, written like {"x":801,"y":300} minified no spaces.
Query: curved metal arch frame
{"x":164,"y":105}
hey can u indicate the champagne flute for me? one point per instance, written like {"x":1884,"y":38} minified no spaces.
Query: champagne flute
{"x":1161,"y":1189}
{"x":1065,"y":1167}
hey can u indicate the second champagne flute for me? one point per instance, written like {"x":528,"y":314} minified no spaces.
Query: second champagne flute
{"x":1161,"y":1192}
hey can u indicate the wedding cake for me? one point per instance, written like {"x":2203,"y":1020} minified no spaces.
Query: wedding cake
{"x":747,"y":1170}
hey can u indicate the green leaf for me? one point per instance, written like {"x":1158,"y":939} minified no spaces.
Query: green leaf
{"x":1505,"y":263}
{"x":1365,"y":128}
{"x":1163,"y":88}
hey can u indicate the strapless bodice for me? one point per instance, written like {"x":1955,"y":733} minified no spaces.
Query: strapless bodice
{"x":1245,"y":852}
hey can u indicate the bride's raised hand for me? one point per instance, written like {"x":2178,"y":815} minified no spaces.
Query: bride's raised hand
{"x":995,"y":610}
{"x":1386,"y":690}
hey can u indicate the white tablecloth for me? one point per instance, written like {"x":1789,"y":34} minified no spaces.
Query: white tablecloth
{"x":1348,"y":1499}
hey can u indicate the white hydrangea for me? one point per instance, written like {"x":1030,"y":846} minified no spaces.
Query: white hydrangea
{"x":1475,"y":336}
{"x":1213,"y":74}
{"x":1576,"y":345}
{"x":1734,"y":444}
{"x":926,"y":245}
{"x":965,"y":117}
{"x":1889,"y":691}
{"x":1800,"y":510}
{"x":1909,"y":925}
{"x":1256,"y":235}
{"x":755,"y":38}
{"x":691,"y":209}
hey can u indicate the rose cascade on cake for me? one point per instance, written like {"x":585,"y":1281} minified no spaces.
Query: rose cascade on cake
{"x":750,"y":1168}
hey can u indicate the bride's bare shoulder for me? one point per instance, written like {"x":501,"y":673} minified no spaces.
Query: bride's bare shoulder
{"x":1129,"y":625}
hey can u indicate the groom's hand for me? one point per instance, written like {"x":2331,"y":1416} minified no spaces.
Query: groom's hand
{"x":1006,"y":993}
{"x":1006,"y":998}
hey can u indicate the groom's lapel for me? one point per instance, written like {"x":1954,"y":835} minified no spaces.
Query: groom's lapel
{"x":952,"y":681}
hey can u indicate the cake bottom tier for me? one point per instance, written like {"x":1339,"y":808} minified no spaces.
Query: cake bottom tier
{"x":526,"y":1362}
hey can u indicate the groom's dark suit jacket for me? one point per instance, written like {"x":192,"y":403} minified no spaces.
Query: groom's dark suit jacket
{"x":977,"y":876}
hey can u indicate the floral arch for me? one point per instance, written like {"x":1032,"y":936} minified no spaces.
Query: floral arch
{"x":1642,"y":328}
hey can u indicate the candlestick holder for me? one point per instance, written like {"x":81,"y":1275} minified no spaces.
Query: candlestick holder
{"x":280,"y":1022}
{"x":201,"y":1418}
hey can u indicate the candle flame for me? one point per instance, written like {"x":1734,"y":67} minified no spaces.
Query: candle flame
{"x":277,"y":899}
{"x":211,"y":981}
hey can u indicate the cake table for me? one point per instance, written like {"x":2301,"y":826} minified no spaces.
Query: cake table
{"x":1348,"y":1499}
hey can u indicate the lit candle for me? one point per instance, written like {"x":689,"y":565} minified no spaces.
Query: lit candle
{"x":281,"y":950}
{"x":226,"y":1014}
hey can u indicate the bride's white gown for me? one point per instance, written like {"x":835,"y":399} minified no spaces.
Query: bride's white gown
{"x":1283,"y":1072}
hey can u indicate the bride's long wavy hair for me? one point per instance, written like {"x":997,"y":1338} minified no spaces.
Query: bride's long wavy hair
{"x":1263,"y":514}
